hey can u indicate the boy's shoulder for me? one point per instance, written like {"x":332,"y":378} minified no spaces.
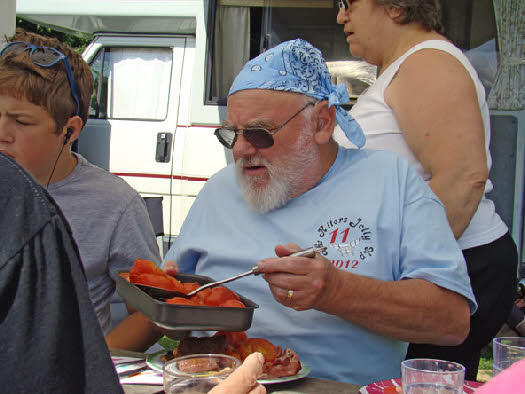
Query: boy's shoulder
{"x":89,"y":179}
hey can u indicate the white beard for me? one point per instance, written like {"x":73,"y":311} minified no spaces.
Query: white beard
{"x":286,"y":175}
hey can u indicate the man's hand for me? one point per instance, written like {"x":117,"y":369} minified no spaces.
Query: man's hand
{"x":297,"y":282}
{"x":244,"y":379}
{"x":170,"y":267}
{"x":436,"y":315}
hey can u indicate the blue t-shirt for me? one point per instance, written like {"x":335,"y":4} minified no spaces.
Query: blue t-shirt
{"x":374,"y":202}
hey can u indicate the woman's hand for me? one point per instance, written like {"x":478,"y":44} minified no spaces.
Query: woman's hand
{"x":244,"y":379}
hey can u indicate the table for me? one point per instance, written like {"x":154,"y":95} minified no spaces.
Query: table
{"x":303,"y":386}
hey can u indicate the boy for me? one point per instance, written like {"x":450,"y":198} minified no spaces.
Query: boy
{"x":45,"y":89}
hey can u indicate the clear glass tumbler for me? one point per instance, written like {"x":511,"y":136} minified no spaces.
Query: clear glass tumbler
{"x":506,"y":351}
{"x":197,"y":373}
{"x":429,"y":376}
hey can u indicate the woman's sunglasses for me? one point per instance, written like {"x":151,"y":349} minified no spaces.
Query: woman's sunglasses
{"x":259,"y":137}
{"x":344,"y":4}
{"x":45,"y":57}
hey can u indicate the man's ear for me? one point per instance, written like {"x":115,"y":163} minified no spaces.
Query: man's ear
{"x":325,"y":122}
{"x":72,"y":128}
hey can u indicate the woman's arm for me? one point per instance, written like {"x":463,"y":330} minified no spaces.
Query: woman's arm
{"x":435,"y":103}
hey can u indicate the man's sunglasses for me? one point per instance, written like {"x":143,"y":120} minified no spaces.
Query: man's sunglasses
{"x":45,"y":57}
{"x":259,"y":137}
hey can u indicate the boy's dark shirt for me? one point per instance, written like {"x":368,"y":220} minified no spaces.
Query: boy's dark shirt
{"x":50,"y":338}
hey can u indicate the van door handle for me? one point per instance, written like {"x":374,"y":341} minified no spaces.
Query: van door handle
{"x":163,"y":152}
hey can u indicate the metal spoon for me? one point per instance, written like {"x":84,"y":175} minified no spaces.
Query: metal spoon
{"x":310,"y":252}
{"x":163,"y":294}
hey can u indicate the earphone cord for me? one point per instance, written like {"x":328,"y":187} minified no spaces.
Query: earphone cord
{"x":54,"y":166}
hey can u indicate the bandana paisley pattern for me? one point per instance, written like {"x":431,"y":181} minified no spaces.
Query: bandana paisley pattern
{"x":297,"y":66}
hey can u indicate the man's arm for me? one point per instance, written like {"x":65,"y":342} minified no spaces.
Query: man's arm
{"x":411,"y":310}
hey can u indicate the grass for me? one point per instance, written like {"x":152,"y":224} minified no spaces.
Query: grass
{"x":485,"y":364}
{"x":485,"y":361}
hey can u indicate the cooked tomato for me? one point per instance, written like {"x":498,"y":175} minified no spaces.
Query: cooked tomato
{"x":235,"y":338}
{"x":260,"y":345}
{"x":145,"y":267}
{"x":201,"y":296}
{"x":219,"y":295}
{"x":233,"y":304}
{"x":190,"y":286}
{"x":390,"y":389}
{"x":125,"y":275}
{"x":181,"y":301}
{"x":231,"y":351}
{"x":163,"y":281}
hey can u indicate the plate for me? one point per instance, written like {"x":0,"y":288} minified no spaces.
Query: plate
{"x":154,"y":362}
{"x":378,"y":387}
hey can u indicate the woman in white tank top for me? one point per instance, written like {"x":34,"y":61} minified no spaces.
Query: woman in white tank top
{"x":428,"y":105}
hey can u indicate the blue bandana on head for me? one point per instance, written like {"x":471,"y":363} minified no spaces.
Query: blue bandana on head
{"x":297,"y":66}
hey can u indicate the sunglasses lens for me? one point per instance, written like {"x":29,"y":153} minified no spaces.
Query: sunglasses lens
{"x":226,"y":137}
{"x":14,"y":48}
{"x":259,"y":138}
{"x":45,"y":56}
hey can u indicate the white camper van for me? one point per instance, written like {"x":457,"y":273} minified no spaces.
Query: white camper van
{"x":162,"y":72}
{"x":163,"y":68}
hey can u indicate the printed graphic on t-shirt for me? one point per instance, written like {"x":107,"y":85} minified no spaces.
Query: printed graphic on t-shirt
{"x":350,"y":237}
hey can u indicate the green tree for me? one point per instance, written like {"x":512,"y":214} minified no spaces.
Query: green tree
{"x":78,"y":41}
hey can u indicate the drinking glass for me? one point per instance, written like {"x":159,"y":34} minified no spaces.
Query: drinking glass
{"x":429,"y":376}
{"x":506,"y":351}
{"x":197,"y":373}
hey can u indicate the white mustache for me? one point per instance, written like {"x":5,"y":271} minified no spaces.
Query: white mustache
{"x":251,"y":161}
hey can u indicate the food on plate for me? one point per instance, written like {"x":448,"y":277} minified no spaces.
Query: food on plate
{"x":252,"y":345}
{"x":194,"y":345}
{"x":204,"y":345}
{"x":206,"y":366}
{"x":278,"y":363}
{"x":145,"y":272}
{"x":392,"y":390}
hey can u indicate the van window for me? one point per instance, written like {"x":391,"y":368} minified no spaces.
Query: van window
{"x":263,"y":24}
{"x":131,"y":83}
{"x":257,"y":25}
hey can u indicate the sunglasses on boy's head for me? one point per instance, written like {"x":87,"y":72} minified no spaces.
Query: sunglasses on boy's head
{"x":45,"y":57}
{"x":259,"y":137}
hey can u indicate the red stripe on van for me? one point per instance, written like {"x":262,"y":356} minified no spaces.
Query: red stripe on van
{"x":207,"y":126}
{"x":178,"y":177}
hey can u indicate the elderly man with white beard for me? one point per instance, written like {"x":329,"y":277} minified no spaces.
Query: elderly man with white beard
{"x":392,"y":272}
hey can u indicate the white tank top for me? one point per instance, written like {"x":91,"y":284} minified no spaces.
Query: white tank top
{"x":383,"y":133}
